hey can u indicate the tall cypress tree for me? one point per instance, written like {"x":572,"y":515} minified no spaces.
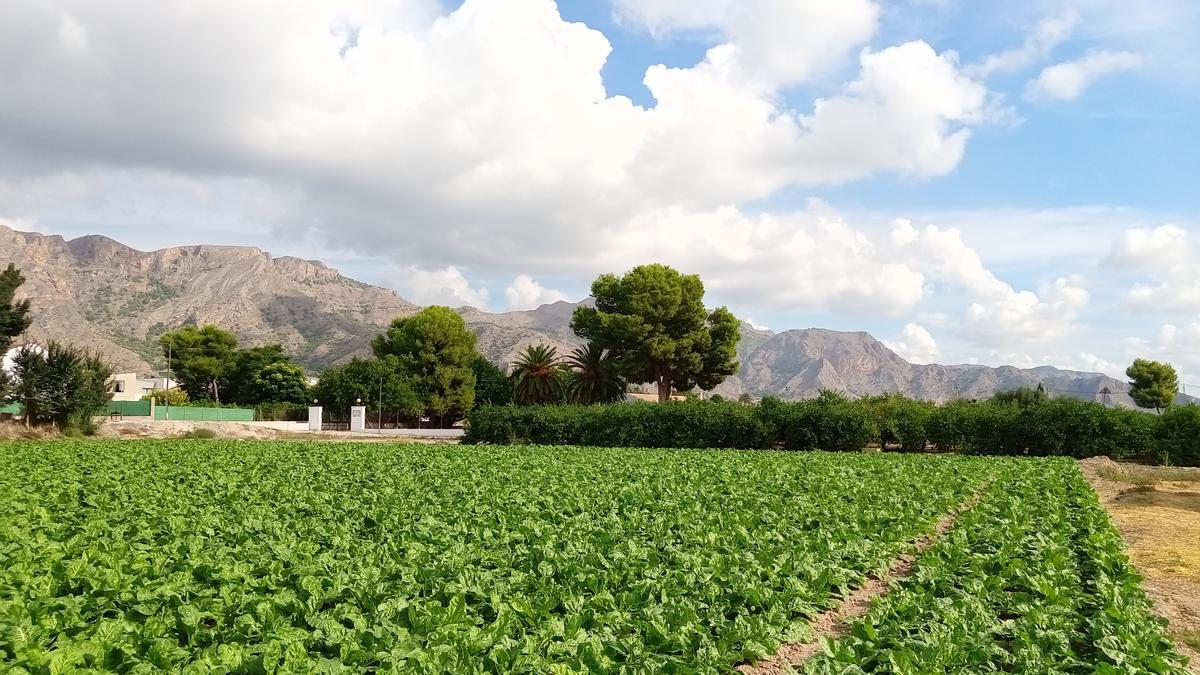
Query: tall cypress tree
{"x":14,"y":316}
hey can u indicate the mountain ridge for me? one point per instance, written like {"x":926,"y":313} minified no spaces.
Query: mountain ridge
{"x":99,"y":292}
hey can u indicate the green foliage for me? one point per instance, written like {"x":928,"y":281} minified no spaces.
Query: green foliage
{"x":1179,"y":436}
{"x":828,"y":422}
{"x":199,"y":358}
{"x":675,"y":424}
{"x":901,"y":421}
{"x":492,"y":386}
{"x":62,"y":385}
{"x":1022,"y":396}
{"x":173,"y":397}
{"x":593,"y":376}
{"x":240,"y":385}
{"x":1063,"y":426}
{"x":538,"y":376}
{"x":1152,"y":384}
{"x":360,"y":380}
{"x":434,"y":349}
{"x":248,"y":557}
{"x":1030,"y":580}
{"x":14,"y":315}
{"x":655,"y":326}
{"x":281,"y":382}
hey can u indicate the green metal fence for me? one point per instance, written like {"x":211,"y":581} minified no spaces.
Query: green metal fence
{"x":129,"y":408}
{"x":190,"y":414}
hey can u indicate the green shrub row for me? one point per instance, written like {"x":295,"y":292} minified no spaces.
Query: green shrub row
{"x":1057,"y":427}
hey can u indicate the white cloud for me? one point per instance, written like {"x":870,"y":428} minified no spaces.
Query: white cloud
{"x":1166,"y":257}
{"x":1048,"y":34}
{"x":997,"y":313}
{"x":915,"y":344}
{"x":447,"y":286}
{"x":768,"y":42}
{"x":755,"y":325}
{"x":525,"y":293}
{"x":458,"y":139}
{"x":1069,"y":80}
{"x":1174,"y":344}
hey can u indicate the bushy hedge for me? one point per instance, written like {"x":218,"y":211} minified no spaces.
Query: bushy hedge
{"x":680,"y":424}
{"x":1179,"y":436}
{"x":1061,"y":426}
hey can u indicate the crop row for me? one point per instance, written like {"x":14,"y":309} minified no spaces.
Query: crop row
{"x":1032,"y":579}
{"x":248,"y":557}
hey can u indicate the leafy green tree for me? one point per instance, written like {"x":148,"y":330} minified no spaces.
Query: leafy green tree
{"x":199,"y":358}
{"x":1152,"y":384}
{"x":746,"y":398}
{"x":655,"y":326}
{"x":492,"y":386}
{"x":281,"y":382}
{"x":434,"y":348}
{"x":14,"y":315}
{"x":239,"y":383}
{"x":593,"y":376}
{"x":538,"y":376}
{"x":1022,"y":397}
{"x":61,"y":385}
{"x":344,"y":385}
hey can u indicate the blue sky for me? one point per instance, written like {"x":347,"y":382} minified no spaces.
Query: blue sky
{"x":991,"y":182}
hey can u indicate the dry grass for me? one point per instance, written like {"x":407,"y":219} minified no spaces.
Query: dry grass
{"x":1157,"y":510}
{"x":11,"y":431}
{"x":1135,"y":474}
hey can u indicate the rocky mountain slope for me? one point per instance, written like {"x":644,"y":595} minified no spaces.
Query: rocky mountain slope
{"x":118,"y":300}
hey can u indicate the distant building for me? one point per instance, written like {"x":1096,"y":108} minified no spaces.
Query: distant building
{"x":131,"y":387}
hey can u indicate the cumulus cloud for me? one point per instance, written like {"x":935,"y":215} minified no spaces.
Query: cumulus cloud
{"x":1048,"y":34}
{"x":525,"y":293}
{"x":1069,"y":80}
{"x":915,"y":344}
{"x":769,"y":42}
{"x":1172,"y":343}
{"x":1165,"y":258}
{"x":458,"y":138}
{"x":997,"y":313}
{"x":447,"y":286}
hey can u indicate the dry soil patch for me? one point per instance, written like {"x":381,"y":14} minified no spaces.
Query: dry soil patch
{"x":1157,"y":511}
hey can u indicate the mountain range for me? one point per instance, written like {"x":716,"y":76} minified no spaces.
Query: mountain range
{"x":117,"y":300}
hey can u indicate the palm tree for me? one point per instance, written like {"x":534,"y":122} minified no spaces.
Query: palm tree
{"x":593,"y":377}
{"x":538,"y":376}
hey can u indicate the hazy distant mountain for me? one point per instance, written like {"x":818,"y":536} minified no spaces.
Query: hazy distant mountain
{"x":98,"y":292}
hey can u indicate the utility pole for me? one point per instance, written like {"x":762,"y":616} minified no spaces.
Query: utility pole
{"x":380,"y":405}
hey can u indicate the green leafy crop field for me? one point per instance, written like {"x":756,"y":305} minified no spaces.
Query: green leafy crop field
{"x":235,"y":556}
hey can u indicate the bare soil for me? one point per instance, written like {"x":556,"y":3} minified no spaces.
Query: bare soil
{"x":834,"y":623}
{"x":1157,"y":511}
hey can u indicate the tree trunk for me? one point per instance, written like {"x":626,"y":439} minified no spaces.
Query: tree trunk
{"x":664,"y":385}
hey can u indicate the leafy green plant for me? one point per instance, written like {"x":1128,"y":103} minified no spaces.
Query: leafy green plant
{"x":538,"y":376}
{"x":242,"y":556}
{"x":1032,"y":579}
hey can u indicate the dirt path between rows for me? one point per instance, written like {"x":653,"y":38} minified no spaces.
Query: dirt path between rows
{"x":834,"y":623}
{"x":1157,"y":511}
